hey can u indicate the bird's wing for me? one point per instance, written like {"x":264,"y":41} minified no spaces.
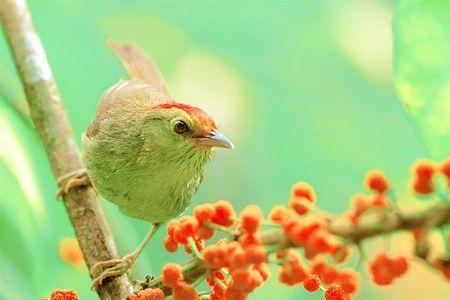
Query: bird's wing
{"x":139,"y":65}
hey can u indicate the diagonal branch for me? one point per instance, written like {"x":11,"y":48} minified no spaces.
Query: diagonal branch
{"x":50,"y":119}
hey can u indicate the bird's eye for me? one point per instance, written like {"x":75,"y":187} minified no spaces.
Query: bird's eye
{"x":180,"y":127}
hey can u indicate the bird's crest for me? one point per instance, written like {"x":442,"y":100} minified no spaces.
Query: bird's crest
{"x":204,"y":119}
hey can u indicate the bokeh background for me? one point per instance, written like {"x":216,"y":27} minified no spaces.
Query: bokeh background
{"x":319,"y":91}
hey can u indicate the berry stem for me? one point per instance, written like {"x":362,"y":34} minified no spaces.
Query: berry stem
{"x":222,"y":285}
{"x":193,"y":247}
{"x":221,"y":228}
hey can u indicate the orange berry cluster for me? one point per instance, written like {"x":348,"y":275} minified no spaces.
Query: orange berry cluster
{"x":347,"y":279}
{"x":148,"y":294}
{"x":360,"y":204}
{"x":244,"y":260}
{"x":236,"y":267}
{"x":424,"y":172}
{"x":309,"y":233}
{"x":385,"y":269}
{"x":220,"y":213}
{"x":59,"y":294}
{"x":173,"y":278}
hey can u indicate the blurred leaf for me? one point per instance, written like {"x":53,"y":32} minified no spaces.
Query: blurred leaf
{"x":422,"y":70}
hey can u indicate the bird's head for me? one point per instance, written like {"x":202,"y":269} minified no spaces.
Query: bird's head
{"x":184,"y":131}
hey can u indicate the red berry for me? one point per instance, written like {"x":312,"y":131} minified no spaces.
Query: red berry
{"x":424,"y":169}
{"x":278,"y":213}
{"x":423,"y":187}
{"x":170,"y":244}
{"x":63,"y":295}
{"x":204,"y":212}
{"x":302,"y":189}
{"x":223,"y":213}
{"x":205,"y":233}
{"x":184,"y":291}
{"x":335,"y":292}
{"x":312,"y":284}
{"x":171,"y":275}
{"x":301,"y":205}
{"x":148,"y":294}
{"x":250,"y":218}
{"x":377,"y":181}
{"x":399,"y":266}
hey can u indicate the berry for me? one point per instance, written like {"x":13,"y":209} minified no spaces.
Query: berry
{"x":335,"y":292}
{"x":248,"y":239}
{"x":292,"y":272}
{"x":377,"y":181}
{"x":203,"y":212}
{"x":302,"y":189}
{"x":188,"y":226}
{"x":223,"y":213}
{"x":148,"y":294}
{"x":251,"y":218}
{"x":385,"y":269}
{"x":170,"y":244}
{"x":278,"y":213}
{"x":216,"y":256}
{"x":301,"y":205}
{"x":184,"y":291}
{"x":424,"y":169}
{"x":312,"y":284}
{"x":245,"y":280}
{"x":171,"y":275}
{"x":63,"y":295}
{"x":423,"y":187}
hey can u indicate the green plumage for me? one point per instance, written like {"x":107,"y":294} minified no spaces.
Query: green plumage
{"x":133,"y":156}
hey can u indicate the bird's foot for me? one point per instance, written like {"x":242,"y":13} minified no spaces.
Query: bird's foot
{"x":111,"y":268}
{"x":70,"y":180}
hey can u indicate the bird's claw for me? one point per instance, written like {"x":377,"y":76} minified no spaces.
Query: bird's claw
{"x":72,"y":179}
{"x":111,"y":268}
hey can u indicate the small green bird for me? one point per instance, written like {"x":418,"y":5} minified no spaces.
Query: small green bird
{"x":144,"y":151}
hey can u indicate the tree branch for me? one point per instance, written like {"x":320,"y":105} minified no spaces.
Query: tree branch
{"x":50,"y":119}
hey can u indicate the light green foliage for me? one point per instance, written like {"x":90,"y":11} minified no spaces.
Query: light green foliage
{"x":422,"y":69}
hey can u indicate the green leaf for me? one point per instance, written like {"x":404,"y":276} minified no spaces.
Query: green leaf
{"x":422,"y":70}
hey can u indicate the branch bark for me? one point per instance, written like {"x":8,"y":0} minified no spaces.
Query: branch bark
{"x":51,"y":121}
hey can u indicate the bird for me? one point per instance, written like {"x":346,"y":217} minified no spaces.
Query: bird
{"x":144,"y":151}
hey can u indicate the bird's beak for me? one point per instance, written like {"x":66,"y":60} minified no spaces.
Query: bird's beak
{"x":214,"y":139}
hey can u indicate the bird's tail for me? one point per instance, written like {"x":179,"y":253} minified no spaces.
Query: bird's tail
{"x":138,"y":65}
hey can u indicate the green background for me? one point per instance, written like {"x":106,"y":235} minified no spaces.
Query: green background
{"x":305,"y":89}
